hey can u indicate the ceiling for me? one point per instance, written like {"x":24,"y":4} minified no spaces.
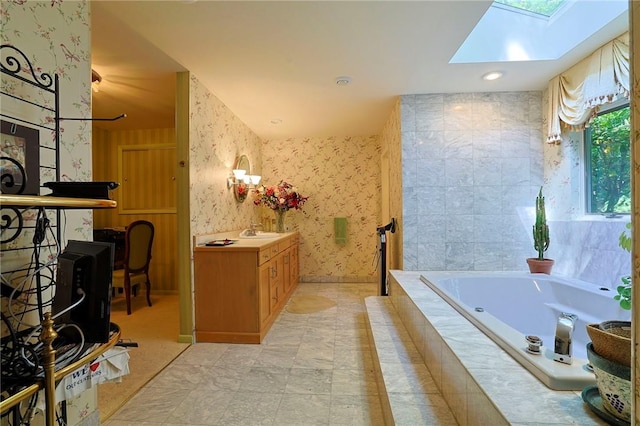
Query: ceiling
{"x":279,"y":60}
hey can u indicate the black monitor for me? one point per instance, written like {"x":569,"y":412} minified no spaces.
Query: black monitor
{"x":85,"y":267}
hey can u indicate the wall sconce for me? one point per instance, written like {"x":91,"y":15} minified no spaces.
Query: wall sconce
{"x":240,"y":181}
{"x":96,"y":79}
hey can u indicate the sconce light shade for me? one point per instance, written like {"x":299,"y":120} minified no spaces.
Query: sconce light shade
{"x":254,"y":179}
{"x":241,"y":180}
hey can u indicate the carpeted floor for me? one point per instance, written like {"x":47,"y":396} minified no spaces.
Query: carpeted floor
{"x":156,"y":330}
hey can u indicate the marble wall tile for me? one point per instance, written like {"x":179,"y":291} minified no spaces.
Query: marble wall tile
{"x":515,"y":143}
{"x":458,"y":144}
{"x":488,"y":229}
{"x":433,"y":225}
{"x":460,"y":228}
{"x":458,"y":172}
{"x":486,"y":143}
{"x":488,"y":256}
{"x":515,"y":171}
{"x":487,"y":171}
{"x":408,"y":118}
{"x":429,"y":116}
{"x":431,"y":256}
{"x":430,"y":145}
{"x":430,"y":200}
{"x":430,"y":172}
{"x":459,"y":200}
{"x":484,"y":200}
{"x":458,"y":256}
{"x":489,"y":168}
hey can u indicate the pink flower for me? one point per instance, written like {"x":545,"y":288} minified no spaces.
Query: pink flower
{"x":283,"y":196}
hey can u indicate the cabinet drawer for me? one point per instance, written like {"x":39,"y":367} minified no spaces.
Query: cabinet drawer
{"x":265,"y":254}
{"x":283,"y":245}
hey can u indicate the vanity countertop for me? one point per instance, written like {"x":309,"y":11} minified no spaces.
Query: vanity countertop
{"x":238,"y":244}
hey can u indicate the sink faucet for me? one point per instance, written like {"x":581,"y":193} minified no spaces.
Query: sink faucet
{"x":564,"y":331}
{"x":251,"y":232}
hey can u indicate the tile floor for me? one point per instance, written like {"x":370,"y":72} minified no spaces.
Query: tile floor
{"x":311,"y":369}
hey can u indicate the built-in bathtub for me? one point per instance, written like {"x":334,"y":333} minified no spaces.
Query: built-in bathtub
{"x":509,"y":306}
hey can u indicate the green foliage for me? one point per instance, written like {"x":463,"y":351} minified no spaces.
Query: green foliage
{"x":610,"y":162}
{"x":543,"y":7}
{"x":624,"y":290}
{"x":540,"y":229}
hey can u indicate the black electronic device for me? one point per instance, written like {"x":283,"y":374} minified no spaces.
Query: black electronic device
{"x":85,"y":268}
{"x":94,"y":190}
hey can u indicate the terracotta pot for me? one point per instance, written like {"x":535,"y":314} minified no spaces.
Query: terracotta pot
{"x":612,"y":340}
{"x":537,"y":266}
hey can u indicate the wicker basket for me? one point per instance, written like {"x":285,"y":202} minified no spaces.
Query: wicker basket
{"x":612,"y":340}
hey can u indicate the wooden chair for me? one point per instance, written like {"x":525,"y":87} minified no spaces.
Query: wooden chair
{"x":137,"y":257}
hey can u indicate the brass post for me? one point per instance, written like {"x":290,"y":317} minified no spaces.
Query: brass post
{"x":47,"y":336}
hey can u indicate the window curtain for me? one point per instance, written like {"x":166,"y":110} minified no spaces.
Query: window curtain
{"x":576,"y":95}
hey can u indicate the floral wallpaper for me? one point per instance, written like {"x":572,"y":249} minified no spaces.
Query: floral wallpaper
{"x":55,"y":37}
{"x":341,"y":177}
{"x":216,"y":139}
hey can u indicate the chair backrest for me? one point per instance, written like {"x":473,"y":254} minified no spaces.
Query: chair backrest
{"x":138,"y":241}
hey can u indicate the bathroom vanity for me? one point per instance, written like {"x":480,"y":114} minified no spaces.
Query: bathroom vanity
{"x":241,"y":288}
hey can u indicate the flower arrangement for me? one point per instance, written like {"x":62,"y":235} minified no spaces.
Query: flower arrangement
{"x":282,"y":197}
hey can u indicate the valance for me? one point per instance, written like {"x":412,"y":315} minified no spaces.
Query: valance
{"x":576,"y":94}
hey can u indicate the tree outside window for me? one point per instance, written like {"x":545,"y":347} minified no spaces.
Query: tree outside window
{"x":608,"y":173}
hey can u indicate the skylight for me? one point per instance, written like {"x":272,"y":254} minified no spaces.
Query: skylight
{"x":505,"y":33}
{"x":541,"y":7}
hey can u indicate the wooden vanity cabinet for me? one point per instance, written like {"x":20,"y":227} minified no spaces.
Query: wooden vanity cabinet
{"x":241,"y":289}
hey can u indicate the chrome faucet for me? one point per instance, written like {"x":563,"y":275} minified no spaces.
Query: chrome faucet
{"x":251,"y":232}
{"x":564,"y":332}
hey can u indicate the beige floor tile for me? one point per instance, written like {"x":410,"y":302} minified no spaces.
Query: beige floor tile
{"x":311,"y":369}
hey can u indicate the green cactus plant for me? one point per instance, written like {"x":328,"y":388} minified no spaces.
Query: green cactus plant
{"x":540,"y":229}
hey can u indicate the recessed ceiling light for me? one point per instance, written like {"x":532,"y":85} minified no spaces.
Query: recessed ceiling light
{"x":343,"y":81}
{"x":275,"y":121}
{"x":493,"y":75}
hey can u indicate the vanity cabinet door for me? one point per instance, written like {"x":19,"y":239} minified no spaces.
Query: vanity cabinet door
{"x":277,"y":281}
{"x":286,"y":271}
{"x":265,"y":292}
{"x":293,"y":267}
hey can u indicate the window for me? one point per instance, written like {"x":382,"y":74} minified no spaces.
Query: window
{"x":546,"y":7}
{"x":608,"y":162}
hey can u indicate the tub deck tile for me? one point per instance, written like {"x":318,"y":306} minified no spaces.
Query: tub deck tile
{"x":407,"y":389}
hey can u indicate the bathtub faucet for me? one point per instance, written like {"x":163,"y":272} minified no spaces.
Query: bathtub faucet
{"x":564,"y":333}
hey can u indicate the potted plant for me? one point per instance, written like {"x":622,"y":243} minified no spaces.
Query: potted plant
{"x":624,"y":290}
{"x":540,"y":265}
{"x":609,"y":352}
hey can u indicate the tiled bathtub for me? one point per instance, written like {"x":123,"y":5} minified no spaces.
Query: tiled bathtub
{"x":481,"y":383}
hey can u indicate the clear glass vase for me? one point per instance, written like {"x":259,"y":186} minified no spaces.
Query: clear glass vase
{"x":280,"y":220}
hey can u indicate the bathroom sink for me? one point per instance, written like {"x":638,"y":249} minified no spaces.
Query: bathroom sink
{"x":259,"y":235}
